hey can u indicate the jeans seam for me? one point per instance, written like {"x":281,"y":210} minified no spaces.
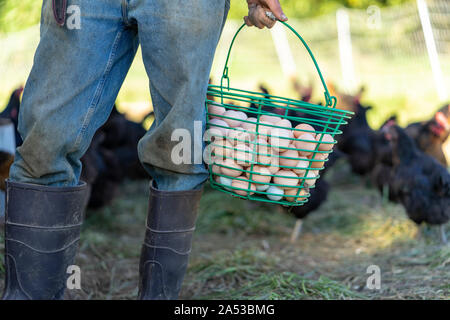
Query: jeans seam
{"x":98,"y":91}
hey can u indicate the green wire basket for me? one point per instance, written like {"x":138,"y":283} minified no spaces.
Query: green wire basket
{"x":268,"y":148}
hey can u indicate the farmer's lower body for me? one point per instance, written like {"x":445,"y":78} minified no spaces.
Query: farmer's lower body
{"x":69,"y":94}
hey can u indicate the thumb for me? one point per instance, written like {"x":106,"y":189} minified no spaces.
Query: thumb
{"x":275,"y":7}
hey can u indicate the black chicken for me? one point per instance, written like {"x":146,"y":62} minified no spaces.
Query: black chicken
{"x":12,"y":112}
{"x":318,"y":196}
{"x":421,"y":184}
{"x":358,"y":142}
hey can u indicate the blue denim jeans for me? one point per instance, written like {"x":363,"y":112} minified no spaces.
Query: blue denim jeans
{"x":77,"y":74}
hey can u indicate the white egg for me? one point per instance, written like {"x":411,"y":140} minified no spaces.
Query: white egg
{"x":275,"y":193}
{"x":233,"y":118}
{"x":262,"y":187}
{"x":215,"y":111}
{"x":220,"y":125}
{"x":285,"y":123}
{"x":226,"y":182}
{"x":268,"y":118}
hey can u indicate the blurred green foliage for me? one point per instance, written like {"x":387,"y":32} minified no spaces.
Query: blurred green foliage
{"x":16,"y":15}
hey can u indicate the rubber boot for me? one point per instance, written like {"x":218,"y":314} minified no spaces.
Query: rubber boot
{"x":168,"y":238}
{"x":42,"y":232}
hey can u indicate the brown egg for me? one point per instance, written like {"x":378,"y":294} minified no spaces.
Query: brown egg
{"x":279,"y":139}
{"x":263,"y":150}
{"x":221,"y":149}
{"x":286,"y":179}
{"x":235,"y":170}
{"x":321,"y":156}
{"x":243,"y":154}
{"x":327,"y":142}
{"x":260,"y":175}
{"x":215,"y":168}
{"x":238,"y":135}
{"x":215,"y":111}
{"x":243,"y":185}
{"x":301,"y":165}
{"x":289,"y":154}
{"x":307,"y":147}
{"x":293,"y":194}
{"x":304,"y":126}
{"x":317,"y":164}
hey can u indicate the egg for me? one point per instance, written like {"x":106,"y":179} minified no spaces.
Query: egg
{"x":264,"y":128}
{"x":218,"y":124}
{"x":238,"y":135}
{"x":269,"y":118}
{"x":215,"y":168}
{"x":249,"y":189}
{"x":317,"y":164}
{"x":215,"y":111}
{"x":307,"y":147}
{"x":311,"y":174}
{"x":286,"y":178}
{"x":274,"y":193}
{"x":285,"y":123}
{"x":301,"y":166}
{"x":234,"y":169}
{"x":321,"y":156}
{"x":249,"y":124}
{"x":233,"y":118}
{"x":242,"y":116}
{"x":264,"y":151}
{"x":260,"y":175}
{"x":220,"y":149}
{"x":243,"y":155}
{"x":289,"y":154}
{"x":279,"y":139}
{"x":262,"y":187}
{"x":327,"y":142}
{"x":293,"y":194}
{"x":306,"y":127}
{"x":213,"y":134}
{"x":226,"y":182}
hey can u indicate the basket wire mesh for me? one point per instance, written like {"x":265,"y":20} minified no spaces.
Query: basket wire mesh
{"x":256,"y":145}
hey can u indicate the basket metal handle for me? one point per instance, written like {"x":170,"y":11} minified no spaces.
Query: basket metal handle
{"x":330,"y":100}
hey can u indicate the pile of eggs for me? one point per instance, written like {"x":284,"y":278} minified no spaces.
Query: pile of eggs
{"x":265,"y":154}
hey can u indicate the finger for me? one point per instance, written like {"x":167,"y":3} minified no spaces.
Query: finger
{"x":275,"y":7}
{"x":248,"y":22}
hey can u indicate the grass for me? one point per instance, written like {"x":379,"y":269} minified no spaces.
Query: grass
{"x":241,"y":249}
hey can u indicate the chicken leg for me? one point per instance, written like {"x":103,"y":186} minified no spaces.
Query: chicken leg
{"x":297,"y":230}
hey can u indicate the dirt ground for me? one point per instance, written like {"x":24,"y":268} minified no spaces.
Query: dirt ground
{"x":241,"y":249}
